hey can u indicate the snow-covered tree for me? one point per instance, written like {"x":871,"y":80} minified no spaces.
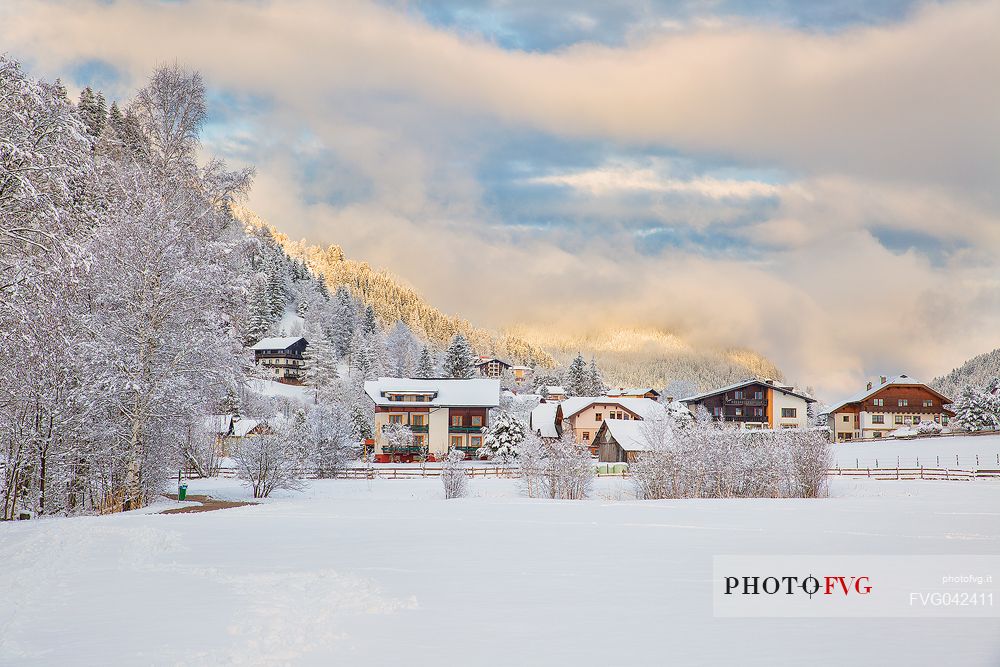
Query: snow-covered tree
{"x":320,"y":359}
{"x":458,"y":358}
{"x":402,"y":351}
{"x":595,"y":383}
{"x":502,"y":437}
{"x":425,"y":365}
{"x":362,"y":424}
{"x":271,"y":461}
{"x":453,"y":475}
{"x":344,"y":318}
{"x":978,"y":410}
{"x":577,"y":379}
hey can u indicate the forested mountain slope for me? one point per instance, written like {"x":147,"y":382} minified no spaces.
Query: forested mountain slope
{"x":978,"y":371}
{"x":393,"y":301}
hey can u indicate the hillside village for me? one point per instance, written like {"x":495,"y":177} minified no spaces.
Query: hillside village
{"x":256,"y":348}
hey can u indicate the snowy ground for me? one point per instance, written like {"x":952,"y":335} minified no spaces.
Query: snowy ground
{"x":960,"y":451}
{"x":387,"y":572}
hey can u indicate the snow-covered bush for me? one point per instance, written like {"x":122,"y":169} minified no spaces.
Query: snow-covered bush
{"x":709,"y":459}
{"x":270,"y":461}
{"x":555,"y":468}
{"x":504,"y":434}
{"x":928,"y":427}
{"x":531,"y":465}
{"x":453,"y":475}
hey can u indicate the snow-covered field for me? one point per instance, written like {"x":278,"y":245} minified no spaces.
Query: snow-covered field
{"x":960,"y":451}
{"x":387,"y":572}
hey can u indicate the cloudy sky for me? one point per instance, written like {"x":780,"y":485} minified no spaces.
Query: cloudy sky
{"x":815,"y":179}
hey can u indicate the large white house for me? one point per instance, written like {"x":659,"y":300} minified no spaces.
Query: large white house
{"x":442,"y":413}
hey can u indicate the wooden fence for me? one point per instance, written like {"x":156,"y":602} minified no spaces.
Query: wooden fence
{"x":498,"y":472}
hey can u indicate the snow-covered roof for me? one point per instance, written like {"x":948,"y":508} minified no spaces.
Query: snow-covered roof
{"x":631,"y":391}
{"x":478,"y":392}
{"x":551,"y":389}
{"x":276,"y":343}
{"x":543,"y":420}
{"x":646,"y":408}
{"x":243,"y":426}
{"x":631,"y":435}
{"x":521,"y":368}
{"x":743,"y":383}
{"x":218,"y":424}
{"x":899,"y":380}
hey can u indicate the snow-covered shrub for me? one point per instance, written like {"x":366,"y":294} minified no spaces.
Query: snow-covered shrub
{"x":270,"y":461}
{"x":558,"y":468}
{"x":928,"y":427}
{"x":504,"y":434}
{"x":453,"y":475}
{"x":531,"y":465}
{"x":709,"y":459}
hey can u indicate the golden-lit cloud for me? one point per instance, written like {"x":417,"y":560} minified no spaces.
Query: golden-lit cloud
{"x":876,"y":250}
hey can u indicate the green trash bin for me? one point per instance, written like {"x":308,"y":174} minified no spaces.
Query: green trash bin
{"x":182,"y":491}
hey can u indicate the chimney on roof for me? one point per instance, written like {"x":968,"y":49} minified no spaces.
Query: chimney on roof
{"x":882,"y":379}
{"x":869,"y":386}
{"x":768,"y":381}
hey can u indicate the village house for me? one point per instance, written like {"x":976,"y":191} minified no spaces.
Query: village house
{"x":542,"y":421}
{"x":884,"y":406}
{"x":633,"y":392}
{"x":584,"y":415}
{"x":551,"y":392}
{"x":282,"y":356}
{"x":491,"y":367}
{"x":521,"y":374}
{"x":228,"y":430}
{"x":621,"y":440}
{"x":755,"y":403}
{"x":442,"y":413}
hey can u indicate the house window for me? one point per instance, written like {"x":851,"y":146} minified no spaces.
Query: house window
{"x":738,"y":394}
{"x":758,"y":412}
{"x":878,"y":434}
{"x":477,"y":420}
{"x":420,"y":440}
{"x":456,"y":420}
{"x":928,"y":404}
{"x":789,"y":412}
{"x":878,"y":419}
{"x":758,"y":395}
{"x":739,"y":412}
{"x":847,"y":418}
{"x":457,"y":441}
{"x":899,"y":419}
{"x":598,"y":417}
{"x":476,"y":441}
{"x":717,"y":411}
{"x":944,"y":421}
{"x":903,"y":402}
{"x":395,"y":419}
{"x":586,"y":436}
{"x":879,"y":402}
{"x":418,"y":420}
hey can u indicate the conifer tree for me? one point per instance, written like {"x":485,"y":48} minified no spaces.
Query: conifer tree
{"x":458,"y":358}
{"x":425,"y":366}
{"x":595,"y":382}
{"x":577,"y":380}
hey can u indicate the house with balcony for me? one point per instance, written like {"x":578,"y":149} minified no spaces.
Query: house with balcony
{"x":521,"y":374}
{"x":442,"y":413}
{"x":491,"y":367}
{"x":884,"y":405}
{"x":284,"y":357}
{"x":755,"y":403}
